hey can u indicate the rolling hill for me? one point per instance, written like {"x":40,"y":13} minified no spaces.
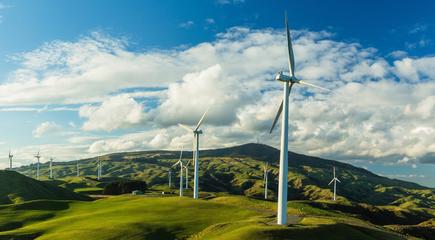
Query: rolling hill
{"x":139,"y":217}
{"x":16,"y":188}
{"x":368,"y":207}
{"x":238,"y":170}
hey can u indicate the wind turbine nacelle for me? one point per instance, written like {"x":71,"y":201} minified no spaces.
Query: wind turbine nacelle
{"x":198,"y":131}
{"x":284,"y":78}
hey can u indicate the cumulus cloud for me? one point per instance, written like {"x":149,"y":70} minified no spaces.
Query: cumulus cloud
{"x":379,"y":109}
{"x":46,"y":128}
{"x":116,"y":112}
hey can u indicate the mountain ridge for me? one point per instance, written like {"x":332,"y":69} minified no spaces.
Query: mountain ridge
{"x":238,"y":170}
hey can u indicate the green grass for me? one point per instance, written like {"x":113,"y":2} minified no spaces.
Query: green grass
{"x":139,"y":217}
{"x":129,"y":218}
{"x":89,"y":190}
{"x":16,"y":188}
{"x":239,"y":170}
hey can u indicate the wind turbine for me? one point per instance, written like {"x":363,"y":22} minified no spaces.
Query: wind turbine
{"x":169,"y":176}
{"x":37,"y":156}
{"x":196,"y":133}
{"x":288,"y":82}
{"x":181,"y":171}
{"x":99,"y":168}
{"x":10,"y":159}
{"x":186,"y":167}
{"x":78,"y":169}
{"x":334,"y":180}
{"x":51,"y":167}
{"x":265,"y":173}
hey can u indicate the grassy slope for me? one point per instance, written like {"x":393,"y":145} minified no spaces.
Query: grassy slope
{"x":18,"y":188}
{"x":238,"y":170}
{"x":127,"y":217}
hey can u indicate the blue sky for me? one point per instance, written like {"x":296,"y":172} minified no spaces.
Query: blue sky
{"x":80,"y":78}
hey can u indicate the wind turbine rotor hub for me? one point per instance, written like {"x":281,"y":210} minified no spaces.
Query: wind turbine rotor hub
{"x":284,"y":78}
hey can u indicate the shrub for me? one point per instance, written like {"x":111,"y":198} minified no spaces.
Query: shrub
{"x":122,"y":187}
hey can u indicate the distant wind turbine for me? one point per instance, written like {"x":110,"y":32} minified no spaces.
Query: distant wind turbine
{"x":288,"y":82}
{"x":186,"y":167}
{"x":181,"y":171}
{"x":334,"y":180}
{"x":169,"y":177}
{"x":196,"y":133}
{"x":99,"y":168}
{"x":10,"y":159}
{"x":265,"y":174}
{"x":78,"y":169}
{"x":51,"y":168}
{"x":37,"y":156}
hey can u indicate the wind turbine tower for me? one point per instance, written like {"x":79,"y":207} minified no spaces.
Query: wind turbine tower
{"x":186,"y":167}
{"x":78,"y":169}
{"x":288,"y":81}
{"x":37,"y":156}
{"x":196,"y":132}
{"x":334,"y":180}
{"x":169,"y":177}
{"x":99,"y":168}
{"x":51,"y":168}
{"x":10,"y":159}
{"x":181,"y":172}
{"x":265,"y":174}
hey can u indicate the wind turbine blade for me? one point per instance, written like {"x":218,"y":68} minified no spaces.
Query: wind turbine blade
{"x":291,"y":57}
{"x":175,"y":164}
{"x":181,"y":153}
{"x":185,"y":127}
{"x":315,"y":86}
{"x":331,"y":182}
{"x":202,"y":118}
{"x":338,"y":180}
{"x":276,"y":117}
{"x":333,"y":169}
{"x":187,"y":164}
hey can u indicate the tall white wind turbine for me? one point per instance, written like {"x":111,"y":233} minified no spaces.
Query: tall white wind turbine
{"x":288,"y":81}
{"x":51,"y":168}
{"x":179,"y":162}
{"x":265,"y":179}
{"x":196,"y":133}
{"x":10,"y":159}
{"x":334,"y":180}
{"x":37,"y":156}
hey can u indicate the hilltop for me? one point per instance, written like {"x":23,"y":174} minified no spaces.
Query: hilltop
{"x":16,"y":188}
{"x":238,"y":170}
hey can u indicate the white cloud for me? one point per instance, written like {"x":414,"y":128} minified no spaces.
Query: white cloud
{"x":46,"y":128}
{"x":398,"y":54}
{"x":187,"y":24}
{"x":210,"y":21}
{"x":379,"y":110}
{"x":116,"y":112}
{"x":226,"y":2}
{"x":418,"y":28}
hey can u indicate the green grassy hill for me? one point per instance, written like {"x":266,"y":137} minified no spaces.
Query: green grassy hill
{"x":238,"y":170}
{"x":16,"y":188}
{"x":138,"y":217}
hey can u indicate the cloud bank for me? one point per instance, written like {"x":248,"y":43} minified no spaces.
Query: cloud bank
{"x":379,"y":109}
